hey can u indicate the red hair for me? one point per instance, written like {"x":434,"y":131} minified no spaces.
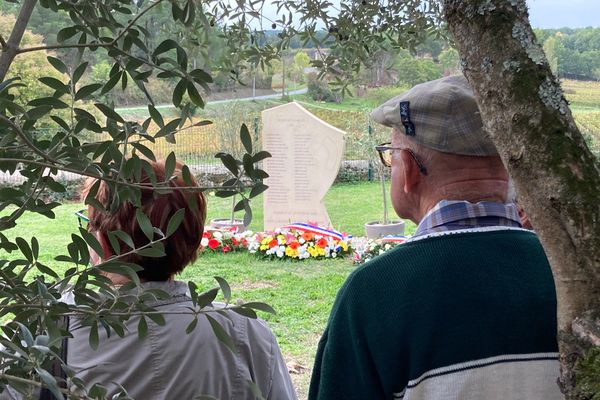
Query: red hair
{"x":181,"y":248}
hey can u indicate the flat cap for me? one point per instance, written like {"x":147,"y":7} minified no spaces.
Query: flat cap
{"x":441,"y":115}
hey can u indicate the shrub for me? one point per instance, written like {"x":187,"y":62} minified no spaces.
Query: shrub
{"x":319,"y":90}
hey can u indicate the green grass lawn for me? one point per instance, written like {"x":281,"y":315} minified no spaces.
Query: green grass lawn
{"x":302,"y":292}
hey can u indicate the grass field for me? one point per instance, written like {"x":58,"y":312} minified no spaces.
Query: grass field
{"x":301,"y":292}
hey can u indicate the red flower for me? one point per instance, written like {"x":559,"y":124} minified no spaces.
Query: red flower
{"x":244,"y":242}
{"x":322,"y":243}
{"x":213,"y":244}
{"x":234,"y":241}
{"x":226,"y":248}
{"x":294,"y":245}
{"x":273,"y":243}
{"x":207,"y":235}
{"x":307,"y":236}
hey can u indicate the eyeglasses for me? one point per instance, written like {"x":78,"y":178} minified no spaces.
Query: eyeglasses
{"x":385,"y":154}
{"x":82,"y":218}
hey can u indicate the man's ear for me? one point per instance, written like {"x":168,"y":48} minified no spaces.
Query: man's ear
{"x":411,"y":171}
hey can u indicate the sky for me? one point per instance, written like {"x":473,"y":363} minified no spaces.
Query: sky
{"x":561,"y":13}
{"x":542,"y":13}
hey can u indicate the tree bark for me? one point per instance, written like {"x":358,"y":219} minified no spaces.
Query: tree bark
{"x":12,"y":45}
{"x":556,"y":176}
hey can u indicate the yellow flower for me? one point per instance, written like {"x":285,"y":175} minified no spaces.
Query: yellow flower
{"x":291,"y":252}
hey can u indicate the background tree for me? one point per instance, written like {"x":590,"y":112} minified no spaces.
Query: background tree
{"x":551,"y":54}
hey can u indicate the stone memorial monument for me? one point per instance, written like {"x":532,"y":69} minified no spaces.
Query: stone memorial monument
{"x":306,"y":156}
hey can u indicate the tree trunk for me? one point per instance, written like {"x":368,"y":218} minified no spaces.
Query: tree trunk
{"x":556,"y":176}
{"x":9,"y":51}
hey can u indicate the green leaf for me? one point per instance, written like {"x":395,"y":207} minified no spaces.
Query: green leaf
{"x":51,"y":101}
{"x":189,"y":13}
{"x":46,"y":270}
{"x":66,"y":33}
{"x":246,"y":138}
{"x":187,"y":176}
{"x":168,"y":129}
{"x":240,"y":205}
{"x":124,"y":236}
{"x":259,"y":174}
{"x":8,"y":193}
{"x":144,"y":150}
{"x":164,"y":46}
{"x":200,"y":75}
{"x":25,"y":249}
{"x":109,"y":112}
{"x":114,"y":243}
{"x":194,"y":94}
{"x":35,"y":247}
{"x":157,"y":318}
{"x":248,"y":165}
{"x":225,"y":288}
{"x":175,"y":221}
{"x":193,"y":289}
{"x":92,"y":241}
{"x":170,"y":164}
{"x":112,"y":81}
{"x":55,"y":84}
{"x":86,"y":91}
{"x":207,"y":297}
{"x":178,"y":92}
{"x":192,"y":325}
{"x":25,"y":334}
{"x":247,"y":214}
{"x":58,"y":64}
{"x":246,"y":312}
{"x":229,"y":162}
{"x":142,"y":328}
{"x":144,"y":223}
{"x":151,"y":252}
{"x":261,"y":155}
{"x":125,"y":269}
{"x":50,"y":382}
{"x":94,"y":339}
{"x":156,"y":116}
{"x":221,"y":334}
{"x":78,"y":73}
{"x":261,"y":307}
{"x":258,"y":189}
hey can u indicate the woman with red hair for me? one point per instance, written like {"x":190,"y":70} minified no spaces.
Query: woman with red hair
{"x":168,"y":363}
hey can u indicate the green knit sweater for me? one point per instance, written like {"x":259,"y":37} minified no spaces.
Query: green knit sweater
{"x":457,"y":315}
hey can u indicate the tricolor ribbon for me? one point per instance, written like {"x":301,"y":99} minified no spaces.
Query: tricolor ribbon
{"x":393,"y":239}
{"x":300,"y":226}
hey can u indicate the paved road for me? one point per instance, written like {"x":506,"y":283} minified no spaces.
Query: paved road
{"x":263,"y":97}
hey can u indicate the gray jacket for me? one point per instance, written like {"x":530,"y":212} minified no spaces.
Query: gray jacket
{"x":170,"y":364}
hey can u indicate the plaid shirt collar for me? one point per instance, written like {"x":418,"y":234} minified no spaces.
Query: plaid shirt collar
{"x":454,"y":215}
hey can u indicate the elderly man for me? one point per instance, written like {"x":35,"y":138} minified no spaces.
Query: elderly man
{"x":466,"y":308}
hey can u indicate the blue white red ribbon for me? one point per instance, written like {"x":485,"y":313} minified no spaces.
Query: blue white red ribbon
{"x":318,"y":230}
{"x":393,"y":239}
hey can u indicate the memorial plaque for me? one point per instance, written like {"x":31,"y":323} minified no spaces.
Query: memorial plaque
{"x":306,"y":156}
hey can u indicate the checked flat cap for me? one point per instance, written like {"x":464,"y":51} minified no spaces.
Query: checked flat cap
{"x":441,"y":115}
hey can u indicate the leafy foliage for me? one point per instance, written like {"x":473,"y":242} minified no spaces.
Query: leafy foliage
{"x":32,"y":294}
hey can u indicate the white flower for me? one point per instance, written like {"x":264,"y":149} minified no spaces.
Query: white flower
{"x":204,"y":242}
{"x":217,"y":234}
